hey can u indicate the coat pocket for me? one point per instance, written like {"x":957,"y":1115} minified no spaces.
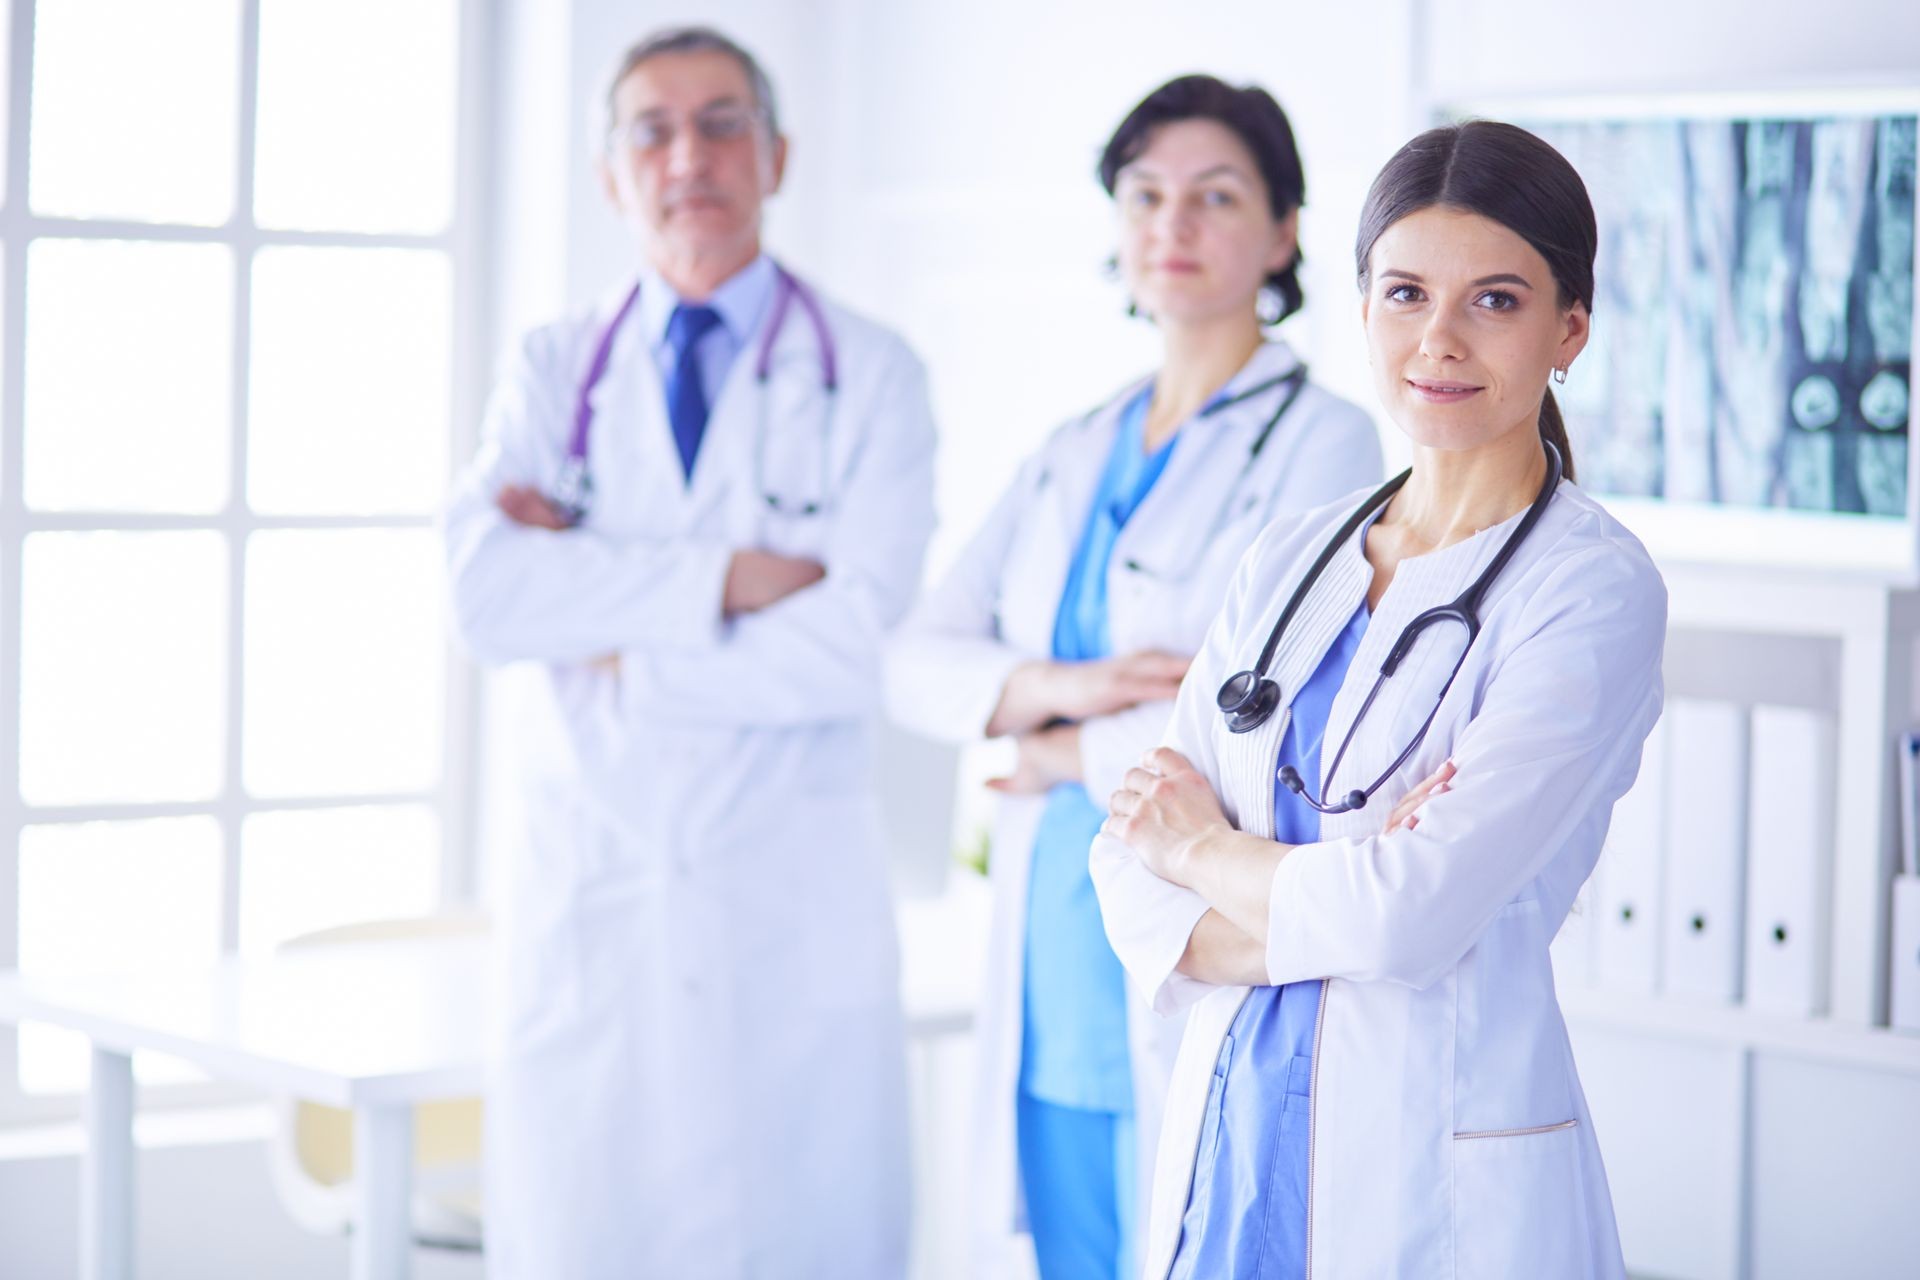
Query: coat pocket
{"x":1517,"y":1203}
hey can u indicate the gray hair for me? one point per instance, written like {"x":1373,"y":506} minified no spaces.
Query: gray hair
{"x":693,"y":40}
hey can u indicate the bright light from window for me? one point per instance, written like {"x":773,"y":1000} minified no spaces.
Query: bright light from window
{"x":134,"y":109}
{"x":123,"y":667}
{"x":303,"y":871}
{"x":357,"y":109}
{"x":129,"y":381}
{"x":345,"y":666}
{"x":351,"y":351}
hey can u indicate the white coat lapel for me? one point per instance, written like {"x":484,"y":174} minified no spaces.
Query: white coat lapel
{"x":1203,"y":488}
{"x":635,"y":466}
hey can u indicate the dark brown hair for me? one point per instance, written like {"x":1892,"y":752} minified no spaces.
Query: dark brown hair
{"x":1505,"y":174}
{"x":1262,"y":127}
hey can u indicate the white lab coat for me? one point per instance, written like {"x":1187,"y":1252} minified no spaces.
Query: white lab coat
{"x":700,"y":1064}
{"x":1450,"y":1137}
{"x":995,"y":610}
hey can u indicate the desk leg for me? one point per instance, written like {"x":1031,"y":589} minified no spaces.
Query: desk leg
{"x":106,"y":1171}
{"x":382,"y":1192}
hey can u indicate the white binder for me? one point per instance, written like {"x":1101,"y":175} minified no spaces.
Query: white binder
{"x":1702,"y":925}
{"x":1625,"y":890}
{"x":1904,"y":984}
{"x":1789,"y":860}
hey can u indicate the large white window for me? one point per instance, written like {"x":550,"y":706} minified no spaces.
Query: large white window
{"x":235,"y":350}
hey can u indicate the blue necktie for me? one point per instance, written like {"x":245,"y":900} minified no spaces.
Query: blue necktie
{"x":686,"y":393}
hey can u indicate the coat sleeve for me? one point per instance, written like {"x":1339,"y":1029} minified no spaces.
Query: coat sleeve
{"x":1148,"y":919}
{"x":815,"y":656}
{"x":1556,"y":739}
{"x":520,"y":593}
{"x":947,"y":664}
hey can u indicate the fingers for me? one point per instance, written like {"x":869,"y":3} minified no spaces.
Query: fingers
{"x":1165,"y":762}
{"x":1404,"y":815}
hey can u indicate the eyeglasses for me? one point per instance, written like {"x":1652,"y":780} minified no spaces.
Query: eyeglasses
{"x":655,"y":132}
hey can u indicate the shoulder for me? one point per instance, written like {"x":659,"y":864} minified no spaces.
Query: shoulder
{"x":1591,"y":566}
{"x":1334,"y":415}
{"x":856,"y":332}
{"x":563,"y":347}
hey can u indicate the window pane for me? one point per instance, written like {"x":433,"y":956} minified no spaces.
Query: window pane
{"x":357,"y":103}
{"x":348,"y":409}
{"x":112,"y":897}
{"x":134,"y":109}
{"x":305,"y":871}
{"x":345,"y":662}
{"x":129,"y":375}
{"x":123,"y":661}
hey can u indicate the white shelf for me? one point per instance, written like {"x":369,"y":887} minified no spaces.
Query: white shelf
{"x":1733,"y":1027}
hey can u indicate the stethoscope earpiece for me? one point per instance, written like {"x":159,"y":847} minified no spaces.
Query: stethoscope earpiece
{"x":1248,"y":700}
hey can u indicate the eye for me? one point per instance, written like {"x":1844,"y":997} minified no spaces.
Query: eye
{"x":1217,"y":199}
{"x":1143,"y":198}
{"x":1402,"y":293}
{"x":1497,"y":300}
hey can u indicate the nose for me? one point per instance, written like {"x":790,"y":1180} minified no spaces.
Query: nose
{"x":1440,"y":339}
{"x":686,"y":152}
{"x":1174,"y":221}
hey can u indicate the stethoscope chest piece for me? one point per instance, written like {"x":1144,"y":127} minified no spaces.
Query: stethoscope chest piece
{"x":1248,"y":700}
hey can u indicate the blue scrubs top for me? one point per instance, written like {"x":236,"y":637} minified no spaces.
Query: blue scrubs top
{"x":1247,"y":1212}
{"x":1075,"y":1001}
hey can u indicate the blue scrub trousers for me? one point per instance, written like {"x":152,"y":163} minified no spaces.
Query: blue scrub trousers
{"x":1078,"y":1170}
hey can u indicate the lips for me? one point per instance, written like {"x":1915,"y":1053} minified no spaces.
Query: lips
{"x":1439,"y":391}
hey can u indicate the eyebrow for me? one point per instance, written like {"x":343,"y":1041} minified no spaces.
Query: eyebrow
{"x":725,"y":100}
{"x":1482,"y":282}
{"x":1219,"y":170}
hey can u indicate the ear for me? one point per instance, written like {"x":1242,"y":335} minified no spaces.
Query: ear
{"x":777,"y":168}
{"x":604,"y":172}
{"x":1286,"y":242}
{"x":1579,"y":327}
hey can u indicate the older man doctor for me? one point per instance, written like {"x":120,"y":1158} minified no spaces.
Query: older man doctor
{"x":697,"y":508}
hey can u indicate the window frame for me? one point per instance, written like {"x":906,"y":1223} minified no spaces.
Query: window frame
{"x":462,"y":241}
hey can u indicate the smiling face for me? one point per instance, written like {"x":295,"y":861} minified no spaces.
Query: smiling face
{"x":690,"y":157}
{"x":1464,"y":325}
{"x":1197,"y":233}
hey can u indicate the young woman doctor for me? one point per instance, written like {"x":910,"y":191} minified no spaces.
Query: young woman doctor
{"x":1069,"y":621}
{"x":1375,"y":1079}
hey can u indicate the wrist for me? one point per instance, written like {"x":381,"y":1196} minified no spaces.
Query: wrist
{"x":1194,"y":856}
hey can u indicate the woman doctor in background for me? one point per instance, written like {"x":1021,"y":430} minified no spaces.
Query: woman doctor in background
{"x":1069,"y":621}
{"x":1375,"y":1078}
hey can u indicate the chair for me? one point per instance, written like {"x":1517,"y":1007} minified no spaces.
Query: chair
{"x":311,"y":1152}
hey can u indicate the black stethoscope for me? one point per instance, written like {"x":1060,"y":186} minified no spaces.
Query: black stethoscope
{"x":1249,"y":698}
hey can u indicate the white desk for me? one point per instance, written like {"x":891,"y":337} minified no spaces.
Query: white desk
{"x":373,"y":1027}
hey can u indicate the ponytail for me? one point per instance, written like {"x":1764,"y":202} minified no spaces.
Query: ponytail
{"x":1553,"y":430}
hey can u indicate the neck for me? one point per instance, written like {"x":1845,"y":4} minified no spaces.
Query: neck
{"x":1200,"y":359}
{"x":694,"y":274}
{"x":1455,"y":493}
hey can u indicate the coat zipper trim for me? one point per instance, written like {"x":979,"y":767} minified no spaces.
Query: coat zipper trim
{"x":1313,"y":1109}
{"x":1499,"y":1133}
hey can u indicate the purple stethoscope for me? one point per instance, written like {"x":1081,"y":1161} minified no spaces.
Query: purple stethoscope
{"x":572,"y":492}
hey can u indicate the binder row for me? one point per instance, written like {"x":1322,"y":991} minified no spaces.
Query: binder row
{"x":1715,"y":882}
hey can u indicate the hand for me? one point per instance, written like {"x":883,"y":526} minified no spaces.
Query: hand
{"x":527,"y":506}
{"x":1046,"y":757}
{"x":607,"y":664}
{"x":1405,"y":815}
{"x":1041,"y":691}
{"x":1162,"y":809}
{"x":756,"y":579}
